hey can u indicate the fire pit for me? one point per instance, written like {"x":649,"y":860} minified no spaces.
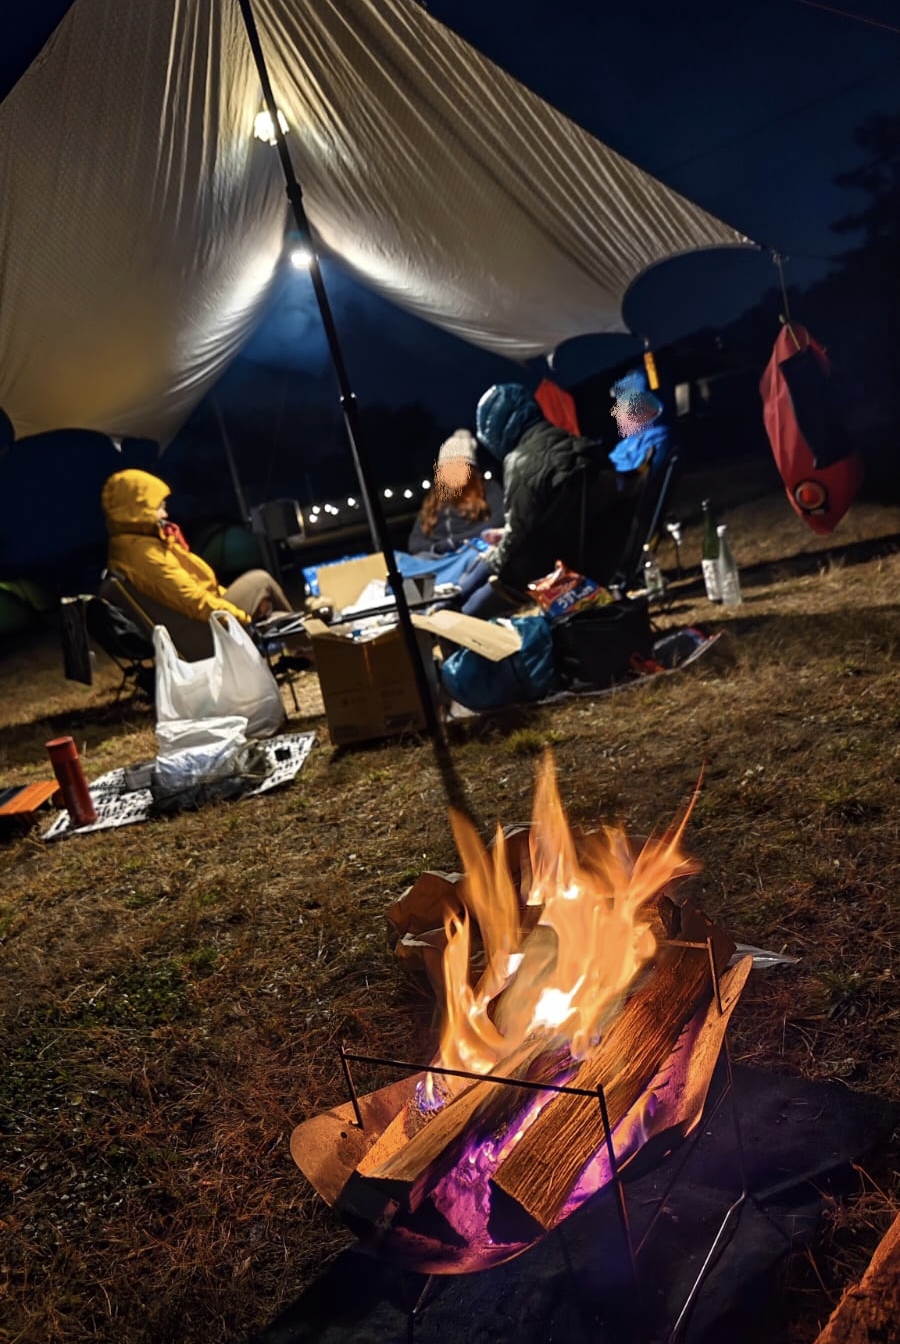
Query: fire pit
{"x":591,"y":1027}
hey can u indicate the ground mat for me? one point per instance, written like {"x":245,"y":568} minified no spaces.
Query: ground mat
{"x":123,"y":797}
{"x":576,"y":1286}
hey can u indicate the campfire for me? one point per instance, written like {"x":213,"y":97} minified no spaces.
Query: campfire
{"x":583,"y":1007}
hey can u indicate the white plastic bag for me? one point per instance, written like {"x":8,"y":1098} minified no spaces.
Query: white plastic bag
{"x":235,"y":681}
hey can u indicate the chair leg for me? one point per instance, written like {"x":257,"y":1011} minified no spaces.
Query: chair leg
{"x":120,"y":688}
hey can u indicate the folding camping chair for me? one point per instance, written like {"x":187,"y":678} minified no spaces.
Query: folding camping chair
{"x":649,"y":511}
{"x":192,"y":638}
{"x":87,"y":617}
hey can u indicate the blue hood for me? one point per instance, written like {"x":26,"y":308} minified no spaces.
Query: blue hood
{"x":503,"y":414}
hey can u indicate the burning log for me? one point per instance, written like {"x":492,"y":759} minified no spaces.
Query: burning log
{"x":594,"y":982}
{"x":545,"y":1163}
{"x":544,"y":1166}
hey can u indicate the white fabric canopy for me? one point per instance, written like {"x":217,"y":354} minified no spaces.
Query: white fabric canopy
{"x":141,"y":224}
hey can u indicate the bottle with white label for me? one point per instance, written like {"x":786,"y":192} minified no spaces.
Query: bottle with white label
{"x":727,"y":571}
{"x":710,"y":559}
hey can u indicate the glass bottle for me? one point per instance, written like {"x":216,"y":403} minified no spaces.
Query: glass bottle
{"x":710,"y":555}
{"x":727,"y":572}
{"x":654,"y":583}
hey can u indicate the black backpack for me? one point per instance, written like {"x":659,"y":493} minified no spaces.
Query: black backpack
{"x":595,"y":648}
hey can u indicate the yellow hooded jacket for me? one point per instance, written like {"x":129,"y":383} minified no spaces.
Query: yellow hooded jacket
{"x":157,"y":566}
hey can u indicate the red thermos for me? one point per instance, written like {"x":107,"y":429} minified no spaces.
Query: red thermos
{"x":72,"y":783}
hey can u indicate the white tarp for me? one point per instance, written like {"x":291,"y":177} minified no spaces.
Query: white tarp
{"x":141,"y":223}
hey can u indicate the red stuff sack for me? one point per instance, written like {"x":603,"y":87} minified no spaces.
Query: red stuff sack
{"x":818,"y":494}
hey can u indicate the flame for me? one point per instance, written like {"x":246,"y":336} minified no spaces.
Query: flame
{"x":562,"y":980}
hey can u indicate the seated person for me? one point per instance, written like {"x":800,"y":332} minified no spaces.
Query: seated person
{"x":563,"y":501}
{"x":454,"y":512}
{"x":151,"y":555}
{"x":646,"y":441}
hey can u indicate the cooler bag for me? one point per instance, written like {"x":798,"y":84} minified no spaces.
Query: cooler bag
{"x":596,"y":647}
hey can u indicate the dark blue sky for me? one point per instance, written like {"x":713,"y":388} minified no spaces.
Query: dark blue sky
{"x":748,"y":109}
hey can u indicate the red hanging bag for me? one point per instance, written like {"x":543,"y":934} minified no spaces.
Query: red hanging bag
{"x":819,"y":494}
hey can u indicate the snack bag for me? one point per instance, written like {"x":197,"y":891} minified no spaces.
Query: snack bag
{"x":545,"y":591}
{"x":564,"y":592}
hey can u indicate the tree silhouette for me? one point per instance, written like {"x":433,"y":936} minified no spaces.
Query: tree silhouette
{"x":879,"y":178}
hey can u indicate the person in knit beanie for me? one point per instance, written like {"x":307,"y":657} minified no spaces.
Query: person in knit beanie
{"x":455,"y":461}
{"x":460,"y":505}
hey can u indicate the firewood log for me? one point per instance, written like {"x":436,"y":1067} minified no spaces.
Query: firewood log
{"x":543,"y":1167}
{"x":637,"y":1043}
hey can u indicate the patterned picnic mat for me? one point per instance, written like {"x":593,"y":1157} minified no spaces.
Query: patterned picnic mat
{"x":122,"y":798}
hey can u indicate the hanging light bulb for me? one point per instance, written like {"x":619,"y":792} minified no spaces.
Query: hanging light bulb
{"x":301,"y":258}
{"x":264,"y":128}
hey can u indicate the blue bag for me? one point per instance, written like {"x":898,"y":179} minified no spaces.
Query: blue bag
{"x":526,"y":675}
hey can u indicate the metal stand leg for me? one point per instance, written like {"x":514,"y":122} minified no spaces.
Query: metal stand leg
{"x":732,"y":1214}
{"x":417,"y":1308}
{"x":621,"y":1202}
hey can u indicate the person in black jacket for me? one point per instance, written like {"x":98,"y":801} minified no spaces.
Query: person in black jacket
{"x":456,"y":511}
{"x":563,"y":500}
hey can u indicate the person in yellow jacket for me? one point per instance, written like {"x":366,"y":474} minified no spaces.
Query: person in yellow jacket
{"x":161,"y":567}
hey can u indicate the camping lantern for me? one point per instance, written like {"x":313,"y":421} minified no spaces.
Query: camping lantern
{"x":264,"y":128}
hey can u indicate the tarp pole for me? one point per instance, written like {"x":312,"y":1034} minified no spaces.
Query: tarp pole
{"x":232,"y":464}
{"x":377,"y":523}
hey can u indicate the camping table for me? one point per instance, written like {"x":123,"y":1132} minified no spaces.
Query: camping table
{"x":283,"y":626}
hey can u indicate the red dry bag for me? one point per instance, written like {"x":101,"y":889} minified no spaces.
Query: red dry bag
{"x":795,"y":390}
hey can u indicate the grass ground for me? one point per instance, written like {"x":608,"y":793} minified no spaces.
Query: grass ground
{"x":173,"y":994}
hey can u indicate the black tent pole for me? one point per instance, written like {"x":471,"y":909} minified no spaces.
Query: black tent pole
{"x":377,"y":523}
{"x":232,"y":464}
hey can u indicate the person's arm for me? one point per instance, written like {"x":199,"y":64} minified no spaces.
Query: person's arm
{"x":493,"y":493}
{"x":182,"y":582}
{"x":513,"y":559}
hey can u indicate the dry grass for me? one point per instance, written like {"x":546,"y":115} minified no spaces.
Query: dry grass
{"x":173,"y":993}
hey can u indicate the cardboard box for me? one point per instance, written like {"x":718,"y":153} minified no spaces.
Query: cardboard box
{"x":368,"y":686}
{"x":343,"y":582}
